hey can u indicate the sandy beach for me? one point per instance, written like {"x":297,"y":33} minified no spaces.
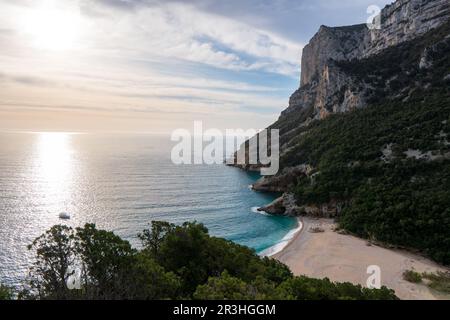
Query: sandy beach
{"x":345,"y":258}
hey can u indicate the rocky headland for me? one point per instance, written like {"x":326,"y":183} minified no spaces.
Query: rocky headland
{"x":329,"y":86}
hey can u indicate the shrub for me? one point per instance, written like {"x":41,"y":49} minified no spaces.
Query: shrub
{"x":439,"y":281}
{"x":176,"y":262}
{"x":5,"y":292}
{"x":412,"y":276}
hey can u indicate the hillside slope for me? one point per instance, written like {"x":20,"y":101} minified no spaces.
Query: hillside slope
{"x":383,"y":169}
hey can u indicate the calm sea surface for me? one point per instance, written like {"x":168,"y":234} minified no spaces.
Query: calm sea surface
{"x":121,"y":183}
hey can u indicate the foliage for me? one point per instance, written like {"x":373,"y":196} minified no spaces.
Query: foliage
{"x":6,"y":292}
{"x":175,"y":262}
{"x":412,"y":276}
{"x":152,"y":239}
{"x":303,"y":288}
{"x":439,"y":281}
{"x":149,"y":281}
{"x":108,"y":268}
{"x":55,"y":255}
{"x":397,"y":69}
{"x":226,"y":287}
{"x":106,"y":261}
{"x":364,"y":160}
{"x":398,"y":200}
{"x":193,"y":255}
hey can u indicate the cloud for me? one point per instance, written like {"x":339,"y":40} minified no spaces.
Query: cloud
{"x":181,"y":31}
{"x":117,"y":91}
{"x":23,"y":79}
{"x":233,"y":61}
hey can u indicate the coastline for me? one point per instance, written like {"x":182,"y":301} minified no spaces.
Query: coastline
{"x":345,"y":258}
{"x":284,"y":242}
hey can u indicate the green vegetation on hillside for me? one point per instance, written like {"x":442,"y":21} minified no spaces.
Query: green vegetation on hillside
{"x":394,"y":199}
{"x":386,"y":165}
{"x":439,"y":281}
{"x":175,"y":262}
{"x":396,"y":71}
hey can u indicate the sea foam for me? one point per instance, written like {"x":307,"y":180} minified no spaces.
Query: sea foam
{"x":278,"y":247}
{"x":255,"y":210}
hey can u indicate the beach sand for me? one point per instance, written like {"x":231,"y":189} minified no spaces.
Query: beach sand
{"x":345,"y":258}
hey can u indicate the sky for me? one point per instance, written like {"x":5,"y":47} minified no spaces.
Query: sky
{"x":155,"y":66}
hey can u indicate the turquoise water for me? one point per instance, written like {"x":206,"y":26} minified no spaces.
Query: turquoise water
{"x":121,"y":183}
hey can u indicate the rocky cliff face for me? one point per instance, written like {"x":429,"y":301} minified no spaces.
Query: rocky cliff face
{"x":341,"y":43}
{"x":347,"y":68}
{"x":326,"y":88}
{"x":405,"y":20}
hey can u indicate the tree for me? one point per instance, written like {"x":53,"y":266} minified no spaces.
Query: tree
{"x":152,"y":239}
{"x":149,"y":281}
{"x":193,"y":255}
{"x":275,"y":270}
{"x":55,"y":254}
{"x":186,"y":263}
{"x":304,"y":288}
{"x":106,"y":261}
{"x":110,"y":268}
{"x":184,"y":252}
{"x":225,"y":287}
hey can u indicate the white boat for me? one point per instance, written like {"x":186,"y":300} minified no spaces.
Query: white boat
{"x":64,"y":216}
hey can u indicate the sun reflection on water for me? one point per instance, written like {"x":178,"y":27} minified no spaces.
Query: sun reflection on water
{"x":54,"y":169}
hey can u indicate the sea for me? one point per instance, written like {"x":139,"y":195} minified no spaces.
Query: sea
{"x":121,"y":182}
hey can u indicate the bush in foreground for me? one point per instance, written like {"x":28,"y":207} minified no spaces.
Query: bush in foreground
{"x":5,"y":293}
{"x":176,"y":262}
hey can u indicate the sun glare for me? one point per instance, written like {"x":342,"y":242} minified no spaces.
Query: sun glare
{"x":53,"y":168}
{"x":52,"y":27}
{"x":54,"y":156}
